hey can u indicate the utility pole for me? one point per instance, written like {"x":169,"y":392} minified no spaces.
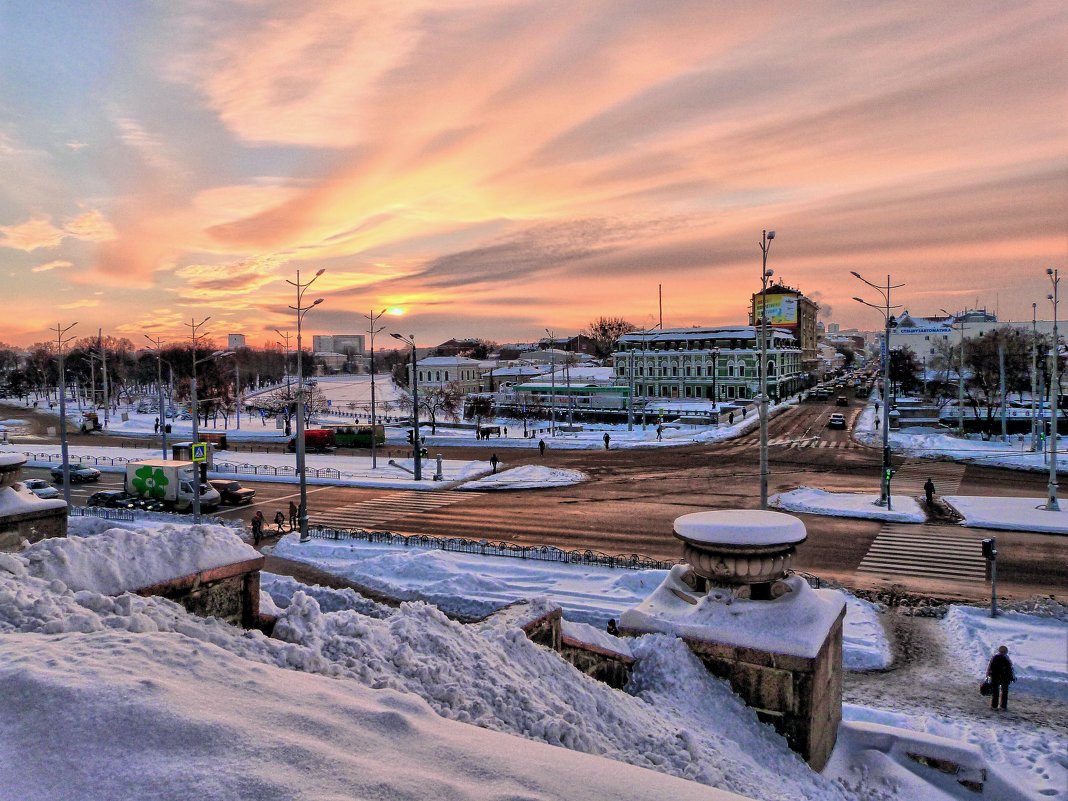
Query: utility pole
{"x":630,"y":387}
{"x":765,"y":274}
{"x":1001,"y":389}
{"x":552,"y":379}
{"x":104,"y":369}
{"x":194,"y":327}
{"x":158,"y":347}
{"x":1054,"y":397}
{"x":302,"y":310}
{"x":372,"y":319}
{"x":1034,"y":377}
{"x":61,"y":342}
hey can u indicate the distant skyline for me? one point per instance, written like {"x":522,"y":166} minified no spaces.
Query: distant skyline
{"x":496,"y":168}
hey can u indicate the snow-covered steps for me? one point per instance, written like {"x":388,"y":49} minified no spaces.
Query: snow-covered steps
{"x":378,"y":511}
{"x":926,"y":552}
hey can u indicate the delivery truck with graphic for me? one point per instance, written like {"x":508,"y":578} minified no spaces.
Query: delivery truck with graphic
{"x":170,"y":482}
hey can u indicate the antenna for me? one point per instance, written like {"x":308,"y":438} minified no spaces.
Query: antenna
{"x":660,"y":296}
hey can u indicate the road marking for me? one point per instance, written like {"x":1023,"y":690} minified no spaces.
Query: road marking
{"x":926,"y":552}
{"x":375,"y":512}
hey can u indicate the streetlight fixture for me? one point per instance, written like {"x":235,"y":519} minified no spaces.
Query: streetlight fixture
{"x":158,"y":348}
{"x":890,"y":323}
{"x":1054,"y":396}
{"x":416,"y":444}
{"x":61,"y":341}
{"x":195,"y":327}
{"x":960,"y":374}
{"x":765,"y":274}
{"x":373,"y":319}
{"x":302,"y":310}
{"x":552,"y":379}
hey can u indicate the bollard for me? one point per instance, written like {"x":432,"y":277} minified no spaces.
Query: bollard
{"x":437,"y":475}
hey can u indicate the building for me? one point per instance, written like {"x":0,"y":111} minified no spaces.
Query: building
{"x":788,"y":309}
{"x":349,"y":344}
{"x":719,"y":363}
{"x":930,"y":336}
{"x":235,"y":341}
{"x":456,"y":371}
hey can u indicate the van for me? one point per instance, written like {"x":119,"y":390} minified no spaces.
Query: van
{"x":317,"y":440}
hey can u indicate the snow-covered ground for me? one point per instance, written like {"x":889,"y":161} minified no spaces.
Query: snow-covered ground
{"x":1010,"y":514}
{"x":845,"y":504}
{"x":529,"y":476}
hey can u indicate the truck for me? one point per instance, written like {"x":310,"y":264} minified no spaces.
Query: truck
{"x":170,"y":482}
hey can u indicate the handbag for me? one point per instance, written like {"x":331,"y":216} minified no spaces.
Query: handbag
{"x":986,"y":687}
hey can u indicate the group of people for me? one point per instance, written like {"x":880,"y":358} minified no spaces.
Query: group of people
{"x":258,"y":522}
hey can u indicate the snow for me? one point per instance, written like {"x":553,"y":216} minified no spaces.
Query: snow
{"x":588,"y":635}
{"x":17,"y":500}
{"x":9,"y":459}
{"x":1038,"y":647}
{"x":1009,"y":514}
{"x":740,"y":527}
{"x":796,"y":623}
{"x":845,"y":504}
{"x":864,"y":642}
{"x":530,"y":476}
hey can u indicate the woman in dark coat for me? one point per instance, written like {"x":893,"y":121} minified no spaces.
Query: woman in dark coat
{"x":1001,"y":674}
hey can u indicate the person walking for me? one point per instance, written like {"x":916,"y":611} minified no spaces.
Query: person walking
{"x":156,"y":428}
{"x":659,"y":433}
{"x":607,"y":439}
{"x":1001,"y":674}
{"x":494,"y":461}
{"x":257,"y":527}
{"x":280,"y":521}
{"x":541,"y":446}
{"x":876,"y":423}
{"x":929,"y":489}
{"x":293,"y":516}
{"x":612,"y":628}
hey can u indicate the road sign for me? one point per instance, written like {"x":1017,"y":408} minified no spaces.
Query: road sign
{"x":200,"y":452}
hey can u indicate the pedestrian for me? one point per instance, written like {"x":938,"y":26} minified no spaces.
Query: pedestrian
{"x":280,"y":521}
{"x":659,"y":433}
{"x":607,"y":439}
{"x":494,"y":461}
{"x":506,"y":432}
{"x":1001,"y":674}
{"x":293,"y":516}
{"x":156,"y":429}
{"x":257,"y":527}
{"x":876,"y":423}
{"x":929,"y":489}
{"x":541,"y":446}
{"x":612,"y":628}
{"x":744,"y":410}
{"x":730,"y":418}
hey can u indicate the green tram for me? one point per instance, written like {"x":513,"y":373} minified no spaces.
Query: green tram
{"x":352,"y":435}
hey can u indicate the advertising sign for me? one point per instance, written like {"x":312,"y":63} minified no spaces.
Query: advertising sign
{"x":782,"y":309}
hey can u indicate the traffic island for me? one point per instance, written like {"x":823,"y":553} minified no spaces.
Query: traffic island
{"x":775,"y":639}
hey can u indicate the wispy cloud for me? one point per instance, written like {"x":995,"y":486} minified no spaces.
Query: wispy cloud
{"x":51,"y":265}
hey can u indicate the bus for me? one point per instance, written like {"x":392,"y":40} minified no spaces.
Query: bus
{"x":356,"y":435}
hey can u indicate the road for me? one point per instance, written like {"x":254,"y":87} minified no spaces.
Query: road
{"x":634,"y":496}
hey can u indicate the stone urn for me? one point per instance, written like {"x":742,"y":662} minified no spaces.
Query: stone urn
{"x":11,"y":468}
{"x":746,"y":550}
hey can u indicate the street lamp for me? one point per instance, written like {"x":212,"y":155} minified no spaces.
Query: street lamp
{"x":1034,"y":377}
{"x":417,"y":447}
{"x":552,"y":379}
{"x":194,"y":328}
{"x":158,"y":348}
{"x":765,"y":274}
{"x":372,"y":320}
{"x":715,"y":378}
{"x":960,"y":374}
{"x":283,"y":336}
{"x":1054,"y":397}
{"x":61,"y":341}
{"x":888,"y":319}
{"x":301,"y":310}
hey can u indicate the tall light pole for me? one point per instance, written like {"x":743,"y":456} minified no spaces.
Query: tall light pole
{"x":1034,"y":377}
{"x":715,"y":379}
{"x":889,"y":323}
{"x":61,"y":342}
{"x":960,"y":374}
{"x":158,"y":348}
{"x":301,"y":310}
{"x":552,"y":379}
{"x":416,"y":445}
{"x":195,"y":327}
{"x":104,"y":377}
{"x":765,"y":274}
{"x":1054,"y":397}
{"x":372,"y":320}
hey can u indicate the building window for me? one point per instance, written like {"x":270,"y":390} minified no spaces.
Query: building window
{"x":420,"y":375}
{"x":446,"y":375}
{"x":689,"y":371}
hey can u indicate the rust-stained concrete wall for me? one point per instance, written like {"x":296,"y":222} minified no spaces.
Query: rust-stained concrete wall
{"x":32,"y":527}
{"x":230,"y":592}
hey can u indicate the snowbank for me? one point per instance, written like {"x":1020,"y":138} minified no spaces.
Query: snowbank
{"x":16,"y":500}
{"x":1038,"y":646}
{"x":1009,"y":514}
{"x":598,"y":638}
{"x":530,"y":476}
{"x":846,"y":504}
{"x":864,"y":642}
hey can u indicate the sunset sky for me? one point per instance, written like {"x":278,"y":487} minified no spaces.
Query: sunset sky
{"x":496,"y":168}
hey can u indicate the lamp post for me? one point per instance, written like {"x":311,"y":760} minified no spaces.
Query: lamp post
{"x":552,"y":384}
{"x":1054,"y":397}
{"x":715,"y":379}
{"x":302,"y":310}
{"x":61,"y":341}
{"x":960,"y":375}
{"x":1034,"y":377}
{"x":765,"y":274}
{"x":372,"y":330}
{"x":630,"y":386}
{"x":416,"y":445}
{"x":195,"y":327}
{"x":158,"y":348}
{"x":889,"y":322}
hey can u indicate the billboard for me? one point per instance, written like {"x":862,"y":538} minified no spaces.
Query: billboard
{"x":782,"y":309}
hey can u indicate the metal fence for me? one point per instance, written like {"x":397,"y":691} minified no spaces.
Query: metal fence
{"x":541,"y":553}
{"x":100,"y":511}
{"x":220,"y":467}
{"x":94,"y":460}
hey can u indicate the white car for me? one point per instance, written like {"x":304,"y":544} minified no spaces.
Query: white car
{"x":836,"y":421}
{"x":40,"y":488}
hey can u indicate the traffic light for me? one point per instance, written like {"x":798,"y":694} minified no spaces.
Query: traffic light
{"x":411,"y":437}
{"x":990,"y":548}
{"x":203,"y":472}
{"x":889,"y":473}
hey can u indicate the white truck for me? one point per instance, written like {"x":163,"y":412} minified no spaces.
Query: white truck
{"x":169,"y":482}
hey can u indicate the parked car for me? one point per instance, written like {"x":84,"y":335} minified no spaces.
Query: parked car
{"x":233,"y":494}
{"x":836,"y":421}
{"x":78,"y":472}
{"x":40,"y":488}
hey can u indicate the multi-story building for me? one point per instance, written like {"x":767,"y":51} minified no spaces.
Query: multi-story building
{"x":927,"y":336}
{"x":459,"y":371}
{"x":790,"y":310}
{"x":719,"y":363}
{"x":349,"y":344}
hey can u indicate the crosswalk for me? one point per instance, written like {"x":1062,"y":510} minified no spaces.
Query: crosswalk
{"x":376,"y":512}
{"x":813,"y":442}
{"x":939,"y":552}
{"x":912,"y":475}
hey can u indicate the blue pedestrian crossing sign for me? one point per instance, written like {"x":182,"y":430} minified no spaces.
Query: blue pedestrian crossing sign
{"x":200,"y":452}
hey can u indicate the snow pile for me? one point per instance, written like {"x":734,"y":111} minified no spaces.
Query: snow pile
{"x":795,"y":623}
{"x":736,"y":527}
{"x":1038,"y":647}
{"x":17,"y":500}
{"x":864,"y":643}
{"x":585,"y":634}
{"x":530,"y":476}
{"x":1009,"y":514}
{"x":9,"y":459}
{"x":121,"y":559}
{"x":845,"y":504}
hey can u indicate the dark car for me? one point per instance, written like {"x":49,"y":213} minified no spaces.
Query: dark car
{"x":233,"y":494}
{"x":110,"y":499}
{"x":841,"y":400}
{"x":78,"y":472}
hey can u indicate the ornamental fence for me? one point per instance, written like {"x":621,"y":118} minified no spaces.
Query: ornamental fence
{"x":220,"y":467}
{"x":100,"y":511}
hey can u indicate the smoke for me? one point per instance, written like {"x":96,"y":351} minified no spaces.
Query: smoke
{"x":825,"y":308}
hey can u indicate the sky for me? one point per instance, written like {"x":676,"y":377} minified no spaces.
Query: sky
{"x":494,"y":169}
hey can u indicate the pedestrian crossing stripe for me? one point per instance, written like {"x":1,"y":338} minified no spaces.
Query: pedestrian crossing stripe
{"x":376,"y":511}
{"x":815,"y":443}
{"x":925,"y":552}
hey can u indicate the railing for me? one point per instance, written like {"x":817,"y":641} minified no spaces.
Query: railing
{"x":270,"y":470}
{"x":100,"y":511}
{"x":95,"y":460}
{"x":541,"y":553}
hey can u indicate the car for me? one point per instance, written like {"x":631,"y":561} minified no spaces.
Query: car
{"x":836,"y":421}
{"x":78,"y":472}
{"x":233,"y":494}
{"x":111,"y":499}
{"x":841,"y":400}
{"x":40,"y":488}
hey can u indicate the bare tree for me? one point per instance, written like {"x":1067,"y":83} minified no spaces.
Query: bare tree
{"x":604,"y":331}
{"x":435,"y":402}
